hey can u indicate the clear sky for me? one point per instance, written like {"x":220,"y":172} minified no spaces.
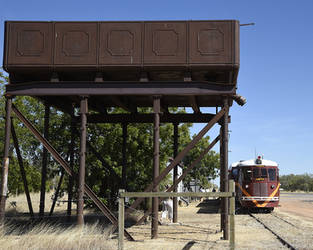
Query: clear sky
{"x":275,"y":71}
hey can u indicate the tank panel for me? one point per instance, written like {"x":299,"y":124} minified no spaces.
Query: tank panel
{"x":29,"y":44}
{"x":76,"y":43}
{"x":120,"y":43}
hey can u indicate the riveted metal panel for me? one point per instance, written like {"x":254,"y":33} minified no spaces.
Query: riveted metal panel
{"x":29,"y":43}
{"x":123,"y":51}
{"x":120,"y":43}
{"x":165,"y":43}
{"x":75,"y":43}
{"x":210,"y":42}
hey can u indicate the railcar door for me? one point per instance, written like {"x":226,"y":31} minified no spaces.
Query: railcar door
{"x":273,"y":181}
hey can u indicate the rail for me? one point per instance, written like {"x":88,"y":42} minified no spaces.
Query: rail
{"x":230,"y":195}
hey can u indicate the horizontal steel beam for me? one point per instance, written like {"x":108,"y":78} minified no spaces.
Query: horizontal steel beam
{"x":148,"y":118}
{"x":119,"y":88}
{"x":181,"y":194}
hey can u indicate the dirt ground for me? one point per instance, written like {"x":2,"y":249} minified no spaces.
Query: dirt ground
{"x":199,"y":228}
{"x":297,"y":205}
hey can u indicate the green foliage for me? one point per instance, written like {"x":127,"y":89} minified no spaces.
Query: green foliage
{"x":293,"y":182}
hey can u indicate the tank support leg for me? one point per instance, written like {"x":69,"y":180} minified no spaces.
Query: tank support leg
{"x":5,"y":166}
{"x":225,"y":170}
{"x":82,"y":161}
{"x":175,"y":149}
{"x":156,"y":165}
{"x":44,"y":163}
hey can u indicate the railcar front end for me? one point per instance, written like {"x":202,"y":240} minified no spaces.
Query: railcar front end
{"x":257,"y":184}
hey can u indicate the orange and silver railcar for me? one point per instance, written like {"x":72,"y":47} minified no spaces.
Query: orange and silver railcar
{"x":257,"y":184}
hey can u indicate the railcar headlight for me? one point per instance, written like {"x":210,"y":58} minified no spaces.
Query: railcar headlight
{"x":272,"y":187}
{"x":247,"y":186}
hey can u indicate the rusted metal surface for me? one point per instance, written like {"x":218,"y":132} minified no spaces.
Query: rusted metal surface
{"x":127,"y":95}
{"x":225,"y":170}
{"x":156,"y":166}
{"x":82,"y":160}
{"x":124,"y":160}
{"x":5,"y":166}
{"x":69,"y":170}
{"x":22,"y":170}
{"x":162,"y":49}
{"x":44,"y":163}
{"x":148,"y":118}
{"x":70,"y":178}
{"x":175,"y":172}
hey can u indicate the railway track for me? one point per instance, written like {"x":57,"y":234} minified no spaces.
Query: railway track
{"x":289,"y":234}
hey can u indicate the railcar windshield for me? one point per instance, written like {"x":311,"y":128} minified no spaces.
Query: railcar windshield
{"x":259,"y":173}
{"x":247,"y":174}
{"x":272,"y":174}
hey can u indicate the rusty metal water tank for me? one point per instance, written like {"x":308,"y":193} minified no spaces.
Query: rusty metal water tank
{"x":119,"y":51}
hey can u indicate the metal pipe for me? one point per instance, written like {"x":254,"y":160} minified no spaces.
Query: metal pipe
{"x":22,"y":170}
{"x":70,"y":178}
{"x":221,"y":179}
{"x":175,"y":150}
{"x":124,"y":164}
{"x":44,"y":163}
{"x":82,"y":161}
{"x":5,"y":166}
{"x":225,"y":167}
{"x":156,"y":166}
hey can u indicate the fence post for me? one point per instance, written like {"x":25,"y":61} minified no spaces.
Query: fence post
{"x":232,"y":215}
{"x":121,"y":220}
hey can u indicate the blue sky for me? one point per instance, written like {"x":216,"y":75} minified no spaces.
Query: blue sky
{"x":275,"y":71}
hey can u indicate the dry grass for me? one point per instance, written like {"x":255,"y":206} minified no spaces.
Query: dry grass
{"x":43,"y":236}
{"x":20,"y":232}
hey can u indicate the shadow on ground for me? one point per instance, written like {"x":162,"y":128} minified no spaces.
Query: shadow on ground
{"x":209,"y":206}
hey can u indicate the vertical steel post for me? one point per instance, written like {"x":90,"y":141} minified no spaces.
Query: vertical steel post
{"x":22,"y":169}
{"x":70,"y":178}
{"x":225,"y":167}
{"x":121,"y":216}
{"x":5,"y":166}
{"x":156,"y":166}
{"x":175,"y":150}
{"x":82,"y":161}
{"x":232,"y":215}
{"x":222,"y":213}
{"x":124,"y":166}
{"x":44,"y":163}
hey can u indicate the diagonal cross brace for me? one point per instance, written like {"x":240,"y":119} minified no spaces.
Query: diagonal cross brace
{"x":193,"y":164}
{"x":179,"y":157}
{"x":70,"y":171}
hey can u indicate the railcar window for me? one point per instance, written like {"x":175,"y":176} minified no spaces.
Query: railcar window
{"x":272,"y":174}
{"x":263,"y":173}
{"x":235,"y":173}
{"x":247,"y":174}
{"x":256,"y":173}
